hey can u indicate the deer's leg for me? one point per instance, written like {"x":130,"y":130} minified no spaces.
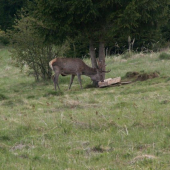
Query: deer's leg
{"x":56,"y":80}
{"x":79,"y":79}
{"x":71,"y":81}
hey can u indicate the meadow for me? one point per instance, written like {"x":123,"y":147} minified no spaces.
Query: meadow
{"x":121,"y":127}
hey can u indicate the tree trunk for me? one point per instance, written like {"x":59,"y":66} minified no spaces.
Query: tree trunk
{"x":102,"y":55}
{"x":93,"y":58}
{"x":109,"y":51}
{"x":92,"y":54}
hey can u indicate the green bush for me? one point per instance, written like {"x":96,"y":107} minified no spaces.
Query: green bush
{"x":3,"y":38}
{"x":29,"y":49}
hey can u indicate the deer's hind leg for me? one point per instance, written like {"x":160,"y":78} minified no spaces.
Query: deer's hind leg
{"x":79,"y":79}
{"x":55,"y":80}
{"x":71,"y":80}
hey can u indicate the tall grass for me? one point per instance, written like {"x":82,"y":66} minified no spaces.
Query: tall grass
{"x":120,"y":127}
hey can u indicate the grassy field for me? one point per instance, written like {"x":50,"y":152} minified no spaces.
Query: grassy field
{"x":116,"y":128}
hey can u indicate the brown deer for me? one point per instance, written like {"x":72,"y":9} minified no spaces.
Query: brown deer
{"x":75,"y":67}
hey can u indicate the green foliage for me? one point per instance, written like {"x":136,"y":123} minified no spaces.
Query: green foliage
{"x":164,"y":56}
{"x":78,"y":48}
{"x":111,"y":22}
{"x":29,"y":48}
{"x":165,"y":29}
{"x":140,"y":20}
{"x":8,"y":11}
{"x":3,"y":38}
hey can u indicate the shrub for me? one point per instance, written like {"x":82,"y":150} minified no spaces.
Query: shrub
{"x":29,"y":48}
{"x":3,"y":38}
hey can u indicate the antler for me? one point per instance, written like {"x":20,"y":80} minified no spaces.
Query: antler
{"x":104,"y":71}
{"x":101,"y":65}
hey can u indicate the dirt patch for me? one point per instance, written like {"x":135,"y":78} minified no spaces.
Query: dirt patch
{"x":141,"y":76}
{"x":132,"y":77}
{"x":142,"y":158}
{"x":98,"y":149}
{"x":21,"y":146}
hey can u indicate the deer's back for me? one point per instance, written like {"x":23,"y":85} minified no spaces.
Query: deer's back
{"x":68,"y":65}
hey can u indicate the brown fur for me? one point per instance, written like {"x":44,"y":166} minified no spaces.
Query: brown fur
{"x":74,"y":67}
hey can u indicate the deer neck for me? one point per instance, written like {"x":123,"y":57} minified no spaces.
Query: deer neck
{"x":89,"y":71}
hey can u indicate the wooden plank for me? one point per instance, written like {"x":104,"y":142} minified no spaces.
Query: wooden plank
{"x":114,"y":81}
{"x":126,"y":82}
{"x":109,"y":81}
{"x":103,"y":84}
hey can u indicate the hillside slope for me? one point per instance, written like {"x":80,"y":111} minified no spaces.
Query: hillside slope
{"x":120,"y":127}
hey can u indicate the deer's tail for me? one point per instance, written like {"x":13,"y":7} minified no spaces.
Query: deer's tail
{"x":50,"y":64}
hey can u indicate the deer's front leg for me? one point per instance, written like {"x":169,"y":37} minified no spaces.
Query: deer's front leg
{"x":71,"y":81}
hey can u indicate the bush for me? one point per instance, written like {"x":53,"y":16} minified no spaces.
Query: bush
{"x":164,"y":56}
{"x":30,"y":50}
{"x":3,"y":38}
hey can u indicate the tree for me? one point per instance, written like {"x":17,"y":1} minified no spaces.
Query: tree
{"x":60,"y":20}
{"x":8,"y":11}
{"x":165,"y":29}
{"x":29,"y":48}
{"x":99,"y":20}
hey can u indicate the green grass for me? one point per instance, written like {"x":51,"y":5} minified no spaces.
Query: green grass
{"x":164,"y":56}
{"x":114,"y":128}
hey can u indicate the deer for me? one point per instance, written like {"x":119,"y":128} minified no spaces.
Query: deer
{"x":75,"y":67}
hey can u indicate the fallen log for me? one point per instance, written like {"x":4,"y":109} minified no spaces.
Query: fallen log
{"x":109,"y":81}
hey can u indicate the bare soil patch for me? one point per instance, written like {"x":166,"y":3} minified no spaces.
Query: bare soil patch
{"x":141,"y":76}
